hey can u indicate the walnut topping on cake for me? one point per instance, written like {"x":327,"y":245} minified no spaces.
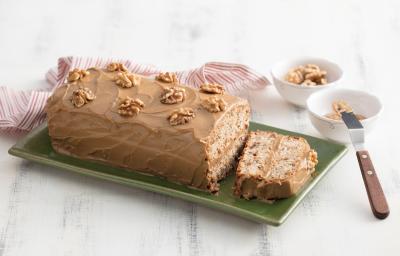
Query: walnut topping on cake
{"x":173,"y":95}
{"x":167,"y":77}
{"x":77,"y":74}
{"x":130,"y":107}
{"x":127,"y":80}
{"x":214,"y":104}
{"x":181,"y":116}
{"x":213,"y":88}
{"x":114,"y":66}
{"x":82,"y":96}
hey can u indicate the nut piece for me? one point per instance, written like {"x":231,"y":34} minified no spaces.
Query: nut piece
{"x":308,"y":75}
{"x":213,"y":88}
{"x":312,"y":159}
{"x":77,"y":74}
{"x":82,"y":96}
{"x":334,"y":116}
{"x":214,"y":104}
{"x":310,"y":68}
{"x":127,"y":80}
{"x":173,"y":95}
{"x":341,"y":106}
{"x":114,"y":66}
{"x":130,"y":107}
{"x":308,"y":82}
{"x":167,"y":77}
{"x":181,"y":116}
{"x":295,"y":76}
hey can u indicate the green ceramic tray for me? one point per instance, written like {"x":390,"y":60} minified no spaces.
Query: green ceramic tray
{"x":36,"y":147}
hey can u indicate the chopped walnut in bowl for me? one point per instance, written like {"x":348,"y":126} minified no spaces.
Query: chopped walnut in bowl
{"x":126,"y":79}
{"x":167,"y":77}
{"x":181,"y":116}
{"x":308,"y":75}
{"x":332,"y":126}
{"x":296,"y":79}
{"x":82,"y":96}
{"x":212,"y":88}
{"x":214,"y":104}
{"x":129,"y":107}
{"x":340,"y":106}
{"x":173,"y":95}
{"x":77,"y":74}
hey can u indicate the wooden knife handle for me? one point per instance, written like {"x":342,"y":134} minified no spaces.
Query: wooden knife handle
{"x":375,"y":193}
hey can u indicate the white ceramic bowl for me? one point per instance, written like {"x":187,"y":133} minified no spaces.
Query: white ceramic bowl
{"x":298,"y":94}
{"x":319,"y":104}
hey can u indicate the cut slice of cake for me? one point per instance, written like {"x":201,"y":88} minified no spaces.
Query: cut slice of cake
{"x":274,"y":166}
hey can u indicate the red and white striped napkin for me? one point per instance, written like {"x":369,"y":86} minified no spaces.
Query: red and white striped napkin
{"x":21,"y":111}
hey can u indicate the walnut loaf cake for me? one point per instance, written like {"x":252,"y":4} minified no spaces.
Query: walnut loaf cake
{"x":155,"y":126}
{"x":274,"y":166}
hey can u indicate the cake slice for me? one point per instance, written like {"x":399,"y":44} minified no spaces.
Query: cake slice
{"x":273,"y":166}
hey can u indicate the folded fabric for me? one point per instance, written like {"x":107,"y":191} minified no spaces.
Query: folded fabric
{"x":21,"y":111}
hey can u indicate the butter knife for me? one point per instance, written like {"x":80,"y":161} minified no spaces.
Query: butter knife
{"x":375,"y":193}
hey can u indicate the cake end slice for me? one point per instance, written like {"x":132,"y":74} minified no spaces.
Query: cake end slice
{"x":273,"y":166}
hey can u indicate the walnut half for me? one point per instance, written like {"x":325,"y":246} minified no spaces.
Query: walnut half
{"x":214,"y":104}
{"x":295,"y":76}
{"x":308,"y":75}
{"x":213,"y":88}
{"x":127,"y":80}
{"x":77,"y":74}
{"x":340,"y":106}
{"x":130,"y":107}
{"x":173,"y":95}
{"x":167,"y":77}
{"x":114,"y":66}
{"x":181,"y":116}
{"x":82,"y":96}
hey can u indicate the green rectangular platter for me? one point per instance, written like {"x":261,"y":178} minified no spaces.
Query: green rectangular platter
{"x":36,"y":147}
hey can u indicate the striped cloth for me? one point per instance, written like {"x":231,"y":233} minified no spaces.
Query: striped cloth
{"x":21,"y":111}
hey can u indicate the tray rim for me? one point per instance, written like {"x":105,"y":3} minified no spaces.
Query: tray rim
{"x":19,"y":151}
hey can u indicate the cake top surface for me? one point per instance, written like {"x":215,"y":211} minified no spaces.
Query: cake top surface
{"x":122,"y":97}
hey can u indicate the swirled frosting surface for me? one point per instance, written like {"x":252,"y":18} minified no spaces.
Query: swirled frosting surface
{"x":145,"y":142}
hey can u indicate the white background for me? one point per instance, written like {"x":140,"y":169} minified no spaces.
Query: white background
{"x":46,"y":211}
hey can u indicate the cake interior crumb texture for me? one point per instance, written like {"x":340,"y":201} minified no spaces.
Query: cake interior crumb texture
{"x":274,"y":166}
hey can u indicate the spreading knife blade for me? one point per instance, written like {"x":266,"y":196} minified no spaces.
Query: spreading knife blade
{"x":356,"y":130}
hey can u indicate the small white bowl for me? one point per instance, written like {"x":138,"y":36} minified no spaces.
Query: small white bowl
{"x":320,"y":104}
{"x":298,"y":94}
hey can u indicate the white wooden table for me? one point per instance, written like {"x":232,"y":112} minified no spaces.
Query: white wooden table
{"x":45,"y":211}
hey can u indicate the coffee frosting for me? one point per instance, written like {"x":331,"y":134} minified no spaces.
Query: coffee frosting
{"x":145,"y":142}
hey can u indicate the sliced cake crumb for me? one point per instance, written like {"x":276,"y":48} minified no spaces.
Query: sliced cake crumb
{"x":274,"y":166}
